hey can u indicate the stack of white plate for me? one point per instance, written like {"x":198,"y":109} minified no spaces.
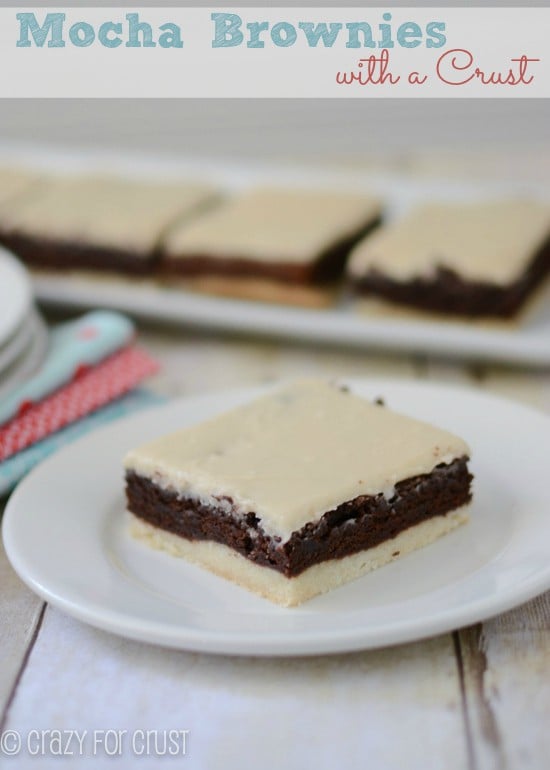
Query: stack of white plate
{"x":23,"y":334}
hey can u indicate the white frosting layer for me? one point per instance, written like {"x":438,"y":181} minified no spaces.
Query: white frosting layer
{"x":270,"y":225}
{"x":293,"y":455}
{"x":483,"y":241}
{"x":104,"y":211}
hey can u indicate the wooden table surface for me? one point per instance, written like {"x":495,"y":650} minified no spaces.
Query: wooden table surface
{"x":474,"y":698}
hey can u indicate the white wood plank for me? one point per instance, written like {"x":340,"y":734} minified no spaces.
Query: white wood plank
{"x":389,"y":709}
{"x":201,"y":363}
{"x":506,"y":665}
{"x":19,"y":614}
{"x":506,"y":660}
{"x":449,"y":372}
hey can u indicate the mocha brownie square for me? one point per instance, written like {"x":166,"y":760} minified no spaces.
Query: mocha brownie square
{"x":300,"y":491}
{"x":292,"y":237}
{"x":469,"y":259}
{"x":97,"y":222}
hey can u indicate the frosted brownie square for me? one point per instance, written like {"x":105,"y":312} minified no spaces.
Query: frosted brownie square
{"x":97,"y":222}
{"x":471,"y":259}
{"x":299,"y":491}
{"x":289,"y":236}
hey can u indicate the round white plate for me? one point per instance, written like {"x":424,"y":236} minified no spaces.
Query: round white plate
{"x":15,"y":296}
{"x":29,"y":359}
{"x":65,"y":534}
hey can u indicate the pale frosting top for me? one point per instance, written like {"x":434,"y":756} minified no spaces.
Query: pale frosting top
{"x":491,"y":242}
{"x":275,"y":225}
{"x":14,"y":183}
{"x":292,"y":455}
{"x":105,"y":211}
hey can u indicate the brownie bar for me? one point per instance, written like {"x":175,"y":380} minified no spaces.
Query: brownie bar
{"x":98,"y":222}
{"x":447,"y":292}
{"x":354,"y":526}
{"x":475,"y":258}
{"x":299,"y":491}
{"x":285,"y":235}
{"x":326,"y":268}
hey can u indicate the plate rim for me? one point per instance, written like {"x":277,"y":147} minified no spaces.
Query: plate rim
{"x":303,"y":643}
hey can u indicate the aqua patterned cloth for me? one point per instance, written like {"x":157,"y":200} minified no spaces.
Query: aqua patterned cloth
{"x":13,"y":469}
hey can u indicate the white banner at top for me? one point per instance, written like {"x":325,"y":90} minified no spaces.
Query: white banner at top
{"x":275,"y":52}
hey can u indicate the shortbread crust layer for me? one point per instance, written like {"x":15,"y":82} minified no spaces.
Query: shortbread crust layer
{"x":357,"y":525}
{"x":318,"y":579}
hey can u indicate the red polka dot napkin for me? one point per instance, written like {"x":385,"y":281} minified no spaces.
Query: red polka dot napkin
{"x":92,"y":389}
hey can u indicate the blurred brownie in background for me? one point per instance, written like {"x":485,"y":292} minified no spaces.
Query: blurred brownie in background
{"x":271,"y":243}
{"x":97,"y":222}
{"x":469,"y":259}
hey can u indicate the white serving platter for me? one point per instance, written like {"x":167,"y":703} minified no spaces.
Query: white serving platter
{"x":349,"y":323}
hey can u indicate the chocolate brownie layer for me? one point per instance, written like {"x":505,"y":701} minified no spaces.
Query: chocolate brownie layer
{"x":58,"y":255}
{"x":447,"y":292}
{"x":354,"y":526}
{"x":327,"y":267}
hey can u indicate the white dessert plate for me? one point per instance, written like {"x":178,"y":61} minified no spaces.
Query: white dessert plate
{"x":354,"y":324}
{"x":65,"y":534}
{"x":15,"y":297}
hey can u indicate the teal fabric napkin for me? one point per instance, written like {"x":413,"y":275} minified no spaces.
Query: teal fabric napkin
{"x":74,"y":346}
